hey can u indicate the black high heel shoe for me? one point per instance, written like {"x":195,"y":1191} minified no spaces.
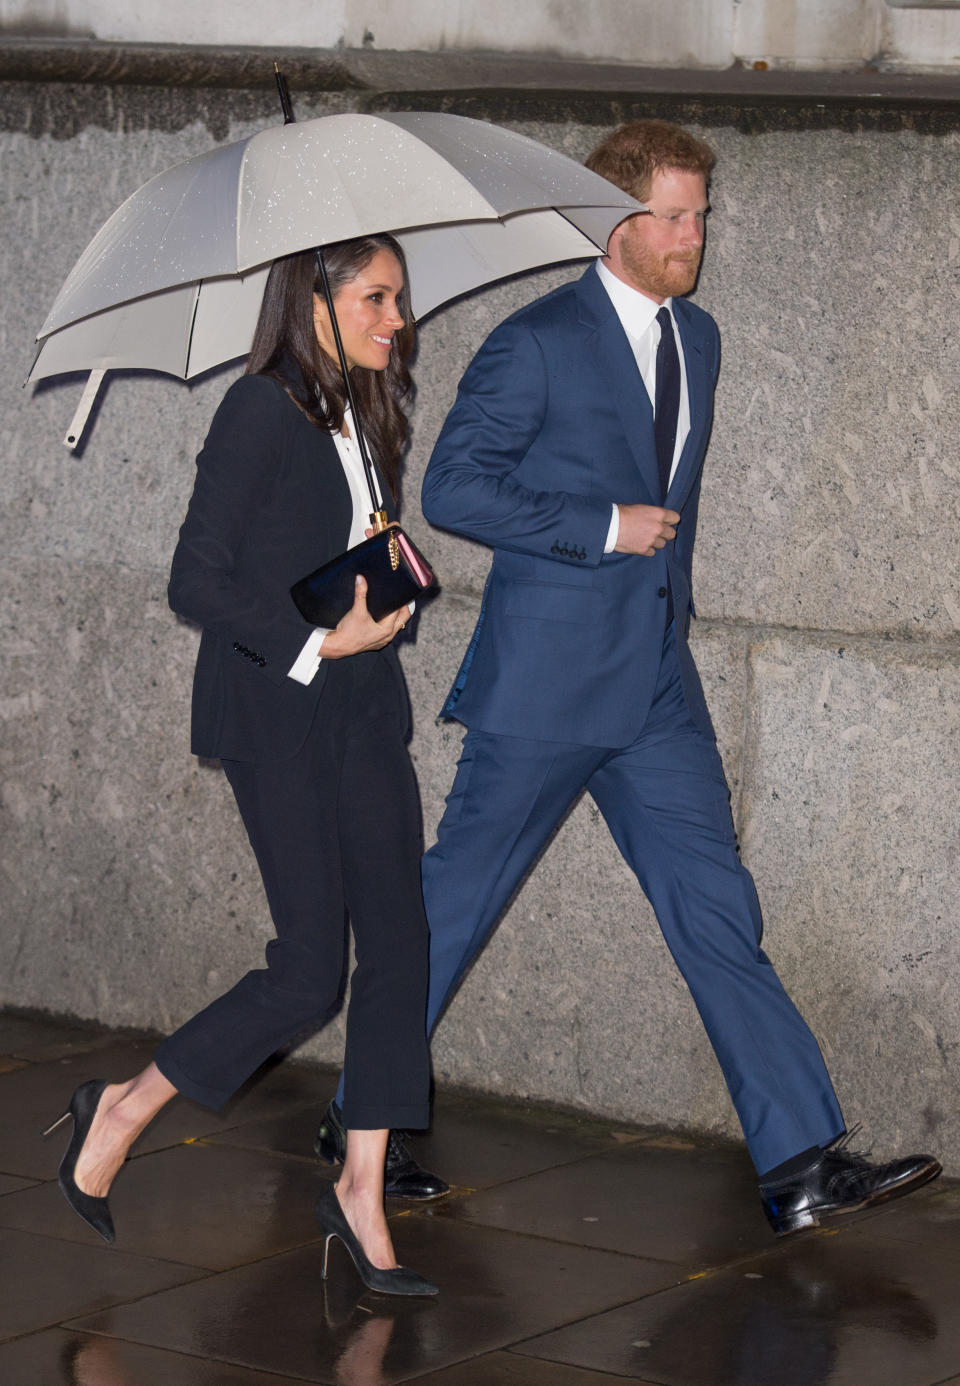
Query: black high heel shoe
{"x":83,"y":1108}
{"x":399,"y":1281}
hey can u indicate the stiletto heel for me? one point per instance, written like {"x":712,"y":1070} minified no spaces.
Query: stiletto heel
{"x":59,"y":1122}
{"x":399,"y":1281}
{"x":83,"y":1108}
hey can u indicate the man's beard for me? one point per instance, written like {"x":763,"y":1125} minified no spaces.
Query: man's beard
{"x":662,"y":276}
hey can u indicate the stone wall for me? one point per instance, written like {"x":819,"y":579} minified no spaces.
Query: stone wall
{"x":827,"y":587}
{"x":902,"y":35}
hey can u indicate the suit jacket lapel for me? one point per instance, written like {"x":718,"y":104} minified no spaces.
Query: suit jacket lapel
{"x":698,"y":394}
{"x":616,"y":363}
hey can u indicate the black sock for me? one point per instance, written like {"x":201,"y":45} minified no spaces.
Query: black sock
{"x":792,"y":1166}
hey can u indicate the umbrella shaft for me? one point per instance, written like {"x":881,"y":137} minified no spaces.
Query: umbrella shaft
{"x":357,"y":424}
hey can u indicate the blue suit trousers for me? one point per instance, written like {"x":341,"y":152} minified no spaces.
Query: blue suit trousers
{"x":665,"y":799}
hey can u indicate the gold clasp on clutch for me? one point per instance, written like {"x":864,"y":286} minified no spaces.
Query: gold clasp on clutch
{"x":379,"y":523}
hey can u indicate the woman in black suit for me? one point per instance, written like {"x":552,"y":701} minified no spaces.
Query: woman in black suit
{"x":311,"y":729}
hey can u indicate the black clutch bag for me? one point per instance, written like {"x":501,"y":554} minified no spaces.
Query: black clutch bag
{"x":396,"y":573}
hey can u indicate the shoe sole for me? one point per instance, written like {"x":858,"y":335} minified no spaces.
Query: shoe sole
{"x":802,"y":1221}
{"x":415,"y":1197}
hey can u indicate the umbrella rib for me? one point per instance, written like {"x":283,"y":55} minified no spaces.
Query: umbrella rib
{"x":570,"y":222}
{"x":236,"y":210}
{"x":193,"y":323}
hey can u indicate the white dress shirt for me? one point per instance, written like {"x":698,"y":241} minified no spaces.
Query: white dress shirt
{"x":307,"y":661}
{"x":638,"y":317}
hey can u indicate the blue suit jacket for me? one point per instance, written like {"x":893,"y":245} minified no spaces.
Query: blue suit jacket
{"x":551,"y":425}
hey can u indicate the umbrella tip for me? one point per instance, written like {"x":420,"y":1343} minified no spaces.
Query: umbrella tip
{"x":285,"y":103}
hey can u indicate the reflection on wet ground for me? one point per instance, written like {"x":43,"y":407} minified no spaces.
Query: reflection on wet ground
{"x":572,"y":1252}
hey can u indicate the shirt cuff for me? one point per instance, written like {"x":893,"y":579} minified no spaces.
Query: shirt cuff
{"x":613,"y":533}
{"x":307,"y":661}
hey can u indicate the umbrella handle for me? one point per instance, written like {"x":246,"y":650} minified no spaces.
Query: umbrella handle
{"x":79,"y":421}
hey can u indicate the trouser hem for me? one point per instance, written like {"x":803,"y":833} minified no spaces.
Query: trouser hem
{"x":412,"y":1117}
{"x":215,"y":1098}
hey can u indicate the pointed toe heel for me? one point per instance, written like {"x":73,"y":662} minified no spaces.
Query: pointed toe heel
{"x":398,"y":1281}
{"x":83,"y":1108}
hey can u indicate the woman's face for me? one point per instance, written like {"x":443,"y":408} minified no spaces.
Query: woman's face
{"x":368,"y":313}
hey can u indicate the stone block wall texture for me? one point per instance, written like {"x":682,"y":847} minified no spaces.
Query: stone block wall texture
{"x":827,"y":586}
{"x":815,"y":34}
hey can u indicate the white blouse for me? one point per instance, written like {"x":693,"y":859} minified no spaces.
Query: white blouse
{"x":307,"y":661}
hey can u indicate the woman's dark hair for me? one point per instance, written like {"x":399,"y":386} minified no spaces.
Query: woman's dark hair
{"x":285,"y":346}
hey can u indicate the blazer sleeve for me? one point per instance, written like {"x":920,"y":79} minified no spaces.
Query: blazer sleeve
{"x":471,"y":484}
{"x":213,"y":580}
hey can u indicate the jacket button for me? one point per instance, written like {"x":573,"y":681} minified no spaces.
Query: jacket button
{"x":554,"y":549}
{"x":661,"y":591}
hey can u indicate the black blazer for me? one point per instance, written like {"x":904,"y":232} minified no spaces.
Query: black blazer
{"x":270,"y":504}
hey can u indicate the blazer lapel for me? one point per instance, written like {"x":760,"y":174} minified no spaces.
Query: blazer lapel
{"x":617,"y":365}
{"x":698,"y":393}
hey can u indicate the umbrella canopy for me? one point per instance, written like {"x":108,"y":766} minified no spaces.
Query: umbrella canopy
{"x":173,"y":281}
{"x":192,"y":327}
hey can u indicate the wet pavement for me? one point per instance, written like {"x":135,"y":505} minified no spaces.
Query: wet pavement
{"x":571,"y":1252}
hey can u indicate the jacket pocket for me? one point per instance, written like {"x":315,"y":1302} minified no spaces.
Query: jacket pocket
{"x":554,"y":601}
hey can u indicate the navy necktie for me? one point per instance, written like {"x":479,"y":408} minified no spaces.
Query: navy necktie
{"x":667,"y":403}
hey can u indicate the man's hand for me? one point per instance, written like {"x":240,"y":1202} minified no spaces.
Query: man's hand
{"x":645,"y":528}
{"x":358,"y":631}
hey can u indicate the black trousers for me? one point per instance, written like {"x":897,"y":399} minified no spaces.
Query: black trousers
{"x":336,"y":832}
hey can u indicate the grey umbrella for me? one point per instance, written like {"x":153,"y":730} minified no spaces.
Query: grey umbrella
{"x":174,"y":279}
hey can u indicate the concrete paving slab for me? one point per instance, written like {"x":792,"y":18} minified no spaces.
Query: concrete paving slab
{"x":829,"y":1310}
{"x":61,"y":1357}
{"x":695,"y":1212}
{"x":278,"y":1315}
{"x":47,"y":1280}
{"x":210,"y":1207}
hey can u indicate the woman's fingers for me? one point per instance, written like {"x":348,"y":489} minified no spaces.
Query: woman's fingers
{"x":358,"y":631}
{"x":360,"y":595}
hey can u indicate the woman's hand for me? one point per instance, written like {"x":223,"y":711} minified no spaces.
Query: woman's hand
{"x":358,"y":631}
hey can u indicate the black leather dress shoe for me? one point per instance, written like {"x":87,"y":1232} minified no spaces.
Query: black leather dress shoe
{"x":840,"y":1181}
{"x":403,"y":1177}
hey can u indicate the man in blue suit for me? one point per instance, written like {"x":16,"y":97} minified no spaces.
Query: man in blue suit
{"x":575,"y":450}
